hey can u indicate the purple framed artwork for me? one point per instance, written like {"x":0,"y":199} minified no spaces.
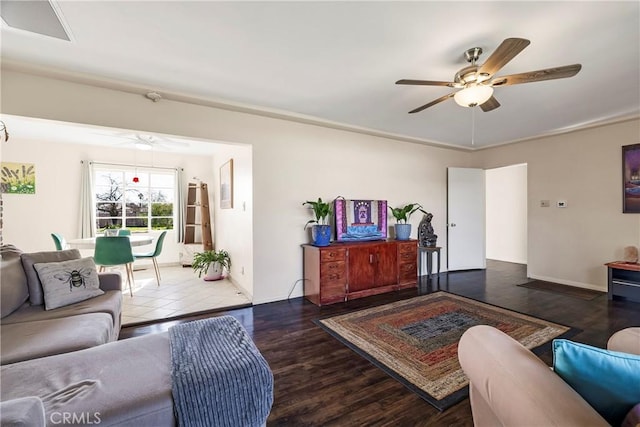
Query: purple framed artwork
{"x":360,"y":220}
{"x":631,"y":178}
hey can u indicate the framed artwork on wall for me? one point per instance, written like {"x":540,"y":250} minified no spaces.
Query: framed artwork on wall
{"x":226,"y":185}
{"x":631,"y":178}
{"x":360,"y":219}
{"x":18,"y":178}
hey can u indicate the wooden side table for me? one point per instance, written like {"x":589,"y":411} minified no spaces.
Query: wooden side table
{"x":430,"y":251}
{"x":623,"y":280}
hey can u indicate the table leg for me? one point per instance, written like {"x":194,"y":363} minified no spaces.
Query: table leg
{"x":429,"y":263}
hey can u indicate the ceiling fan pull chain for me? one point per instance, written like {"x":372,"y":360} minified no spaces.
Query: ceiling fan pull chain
{"x":473,"y":126}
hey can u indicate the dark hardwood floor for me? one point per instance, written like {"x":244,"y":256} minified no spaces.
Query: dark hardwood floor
{"x":320,"y":382}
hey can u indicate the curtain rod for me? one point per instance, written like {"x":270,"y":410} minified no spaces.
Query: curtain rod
{"x":130,"y":166}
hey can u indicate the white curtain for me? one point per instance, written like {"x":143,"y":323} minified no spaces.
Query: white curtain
{"x":87,"y":204}
{"x":180,"y":205}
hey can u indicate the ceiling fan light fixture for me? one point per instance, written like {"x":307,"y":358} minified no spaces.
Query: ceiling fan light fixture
{"x":143,"y":145}
{"x":473,"y":95}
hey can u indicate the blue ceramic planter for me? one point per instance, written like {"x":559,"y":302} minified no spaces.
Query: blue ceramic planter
{"x":321,"y":235}
{"x":403,"y":231}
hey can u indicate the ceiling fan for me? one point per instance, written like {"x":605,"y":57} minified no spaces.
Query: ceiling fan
{"x":477,"y":81}
{"x":150,"y":142}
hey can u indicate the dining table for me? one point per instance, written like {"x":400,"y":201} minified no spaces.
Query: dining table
{"x":90,"y":242}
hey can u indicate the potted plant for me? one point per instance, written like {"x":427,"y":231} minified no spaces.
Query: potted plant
{"x":111,"y":230}
{"x":321,"y":231}
{"x":213,"y":263}
{"x":402,"y":215}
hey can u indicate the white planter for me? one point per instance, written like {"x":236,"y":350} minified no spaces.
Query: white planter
{"x":214,"y":272}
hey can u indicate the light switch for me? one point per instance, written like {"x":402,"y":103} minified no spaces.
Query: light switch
{"x":562,"y":203}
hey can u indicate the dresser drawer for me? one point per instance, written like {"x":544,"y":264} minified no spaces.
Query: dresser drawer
{"x":332,"y":293}
{"x":333,"y":254}
{"x":407,"y":256}
{"x":333,"y":272}
{"x":411,"y":247}
{"x":408,"y":271}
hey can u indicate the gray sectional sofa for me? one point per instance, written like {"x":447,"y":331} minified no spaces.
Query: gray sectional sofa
{"x":59,"y":366}
{"x":29,"y":330}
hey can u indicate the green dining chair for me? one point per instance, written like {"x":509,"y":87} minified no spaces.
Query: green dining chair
{"x":124,"y":232}
{"x":153,"y":255}
{"x":112,"y":251}
{"x":60,"y":242}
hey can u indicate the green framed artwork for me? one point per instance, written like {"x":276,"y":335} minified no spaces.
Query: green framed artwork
{"x":18,"y":178}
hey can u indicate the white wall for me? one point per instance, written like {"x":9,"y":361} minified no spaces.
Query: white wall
{"x":29,"y":220}
{"x":506,"y":202}
{"x":570,"y":245}
{"x":292,"y":162}
{"x":233,"y":228}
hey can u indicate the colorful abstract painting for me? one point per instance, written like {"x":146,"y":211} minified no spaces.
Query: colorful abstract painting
{"x":631,"y":178}
{"x":18,"y":178}
{"x":360,"y":220}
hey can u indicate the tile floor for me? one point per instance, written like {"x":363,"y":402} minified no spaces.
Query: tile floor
{"x":181,"y":291}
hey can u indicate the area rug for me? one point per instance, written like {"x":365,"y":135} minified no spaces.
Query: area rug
{"x":571,"y":291}
{"x":416,"y":340}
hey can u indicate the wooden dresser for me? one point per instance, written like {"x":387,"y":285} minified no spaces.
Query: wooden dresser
{"x":343,"y":271}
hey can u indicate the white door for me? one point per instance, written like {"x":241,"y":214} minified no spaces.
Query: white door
{"x":466,"y":219}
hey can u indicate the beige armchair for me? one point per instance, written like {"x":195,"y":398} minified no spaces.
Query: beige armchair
{"x":510,"y":386}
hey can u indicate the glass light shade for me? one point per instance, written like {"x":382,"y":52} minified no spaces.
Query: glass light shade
{"x":473,"y":95}
{"x":141,"y":145}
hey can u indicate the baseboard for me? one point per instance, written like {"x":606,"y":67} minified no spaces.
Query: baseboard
{"x":569,"y":282}
{"x":241,"y":288}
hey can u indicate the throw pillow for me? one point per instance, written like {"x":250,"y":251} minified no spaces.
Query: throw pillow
{"x":13,"y":289}
{"x":68,"y":282}
{"x":608,"y":380}
{"x":36,"y":297}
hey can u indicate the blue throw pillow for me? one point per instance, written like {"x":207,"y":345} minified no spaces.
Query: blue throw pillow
{"x":608,"y":380}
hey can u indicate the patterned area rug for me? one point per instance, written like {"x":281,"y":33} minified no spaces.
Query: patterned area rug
{"x":416,"y":340}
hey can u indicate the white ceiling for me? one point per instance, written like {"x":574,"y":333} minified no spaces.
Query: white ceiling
{"x":74,"y":133}
{"x":338,"y":61}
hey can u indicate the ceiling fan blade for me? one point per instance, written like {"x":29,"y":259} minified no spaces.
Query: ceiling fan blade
{"x":507,"y":50}
{"x":424,"y":83}
{"x":491,"y":104}
{"x":537,"y":76}
{"x":432,"y":103}
{"x":161,"y":140}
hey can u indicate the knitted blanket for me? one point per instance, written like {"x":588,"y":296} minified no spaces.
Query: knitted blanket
{"x":219,"y":378}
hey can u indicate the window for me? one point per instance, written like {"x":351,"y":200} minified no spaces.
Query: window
{"x":134,"y":198}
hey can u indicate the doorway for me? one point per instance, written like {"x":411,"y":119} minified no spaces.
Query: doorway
{"x":506,"y":213}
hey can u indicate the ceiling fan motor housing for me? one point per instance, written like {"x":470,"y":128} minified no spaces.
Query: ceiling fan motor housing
{"x":466,"y":75}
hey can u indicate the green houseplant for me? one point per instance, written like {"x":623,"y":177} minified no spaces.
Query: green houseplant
{"x":321,"y":231}
{"x":402,"y":215}
{"x":111,"y":229}
{"x":212,"y":263}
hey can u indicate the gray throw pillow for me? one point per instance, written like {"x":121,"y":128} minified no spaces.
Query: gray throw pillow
{"x":13,"y":282}
{"x":68,"y":282}
{"x":36,"y":297}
